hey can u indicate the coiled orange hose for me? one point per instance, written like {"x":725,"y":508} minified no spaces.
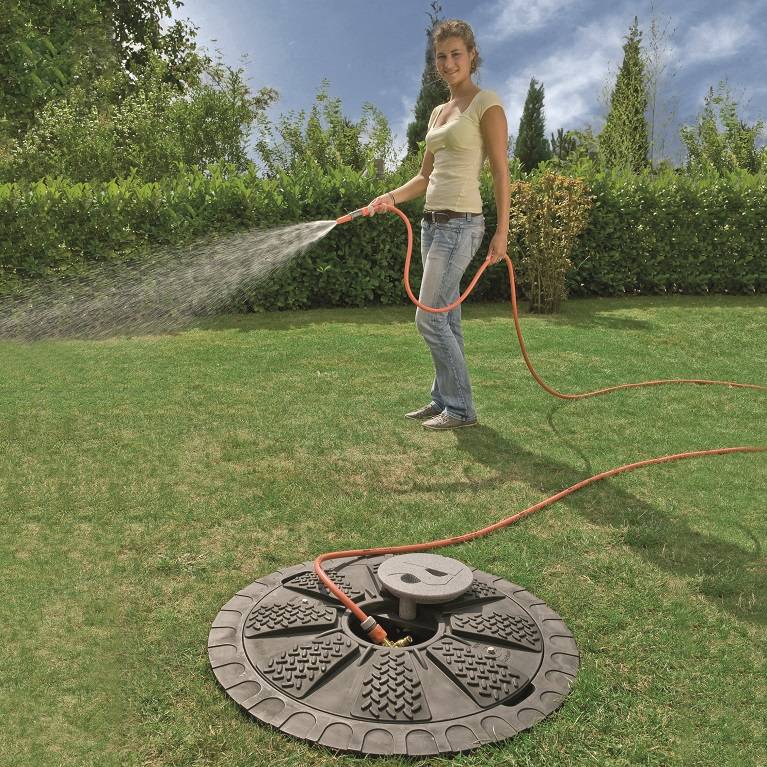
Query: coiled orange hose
{"x":376,"y":633}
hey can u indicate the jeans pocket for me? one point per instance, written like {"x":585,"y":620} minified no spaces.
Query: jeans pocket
{"x":476,"y":240}
{"x":464,"y":250}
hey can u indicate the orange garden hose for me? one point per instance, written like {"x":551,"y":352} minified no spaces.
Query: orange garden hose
{"x":375,"y":632}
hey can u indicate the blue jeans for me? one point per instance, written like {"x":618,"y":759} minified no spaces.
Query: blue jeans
{"x":446,"y":250}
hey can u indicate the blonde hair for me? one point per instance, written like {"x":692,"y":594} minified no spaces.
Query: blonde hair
{"x":458,"y":28}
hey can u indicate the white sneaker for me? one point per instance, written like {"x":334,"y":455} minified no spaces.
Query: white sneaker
{"x":425,"y":412}
{"x":445,"y":421}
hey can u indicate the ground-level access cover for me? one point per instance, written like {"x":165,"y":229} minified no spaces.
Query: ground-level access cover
{"x":481,"y":668}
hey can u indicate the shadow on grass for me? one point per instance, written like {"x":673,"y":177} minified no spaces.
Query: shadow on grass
{"x":578,"y":312}
{"x":590,"y":312}
{"x":587,"y":468}
{"x":393,"y":314}
{"x":306,"y":318}
{"x":600,"y":320}
{"x":724,"y":573}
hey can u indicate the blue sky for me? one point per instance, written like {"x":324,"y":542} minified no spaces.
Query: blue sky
{"x":375,"y":52}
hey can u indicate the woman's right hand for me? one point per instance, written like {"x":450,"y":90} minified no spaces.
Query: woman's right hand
{"x":378,"y":203}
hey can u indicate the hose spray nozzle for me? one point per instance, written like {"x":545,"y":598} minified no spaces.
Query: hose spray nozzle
{"x":368,"y":210}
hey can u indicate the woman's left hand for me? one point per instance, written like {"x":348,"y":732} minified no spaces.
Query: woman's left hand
{"x":497,"y":249}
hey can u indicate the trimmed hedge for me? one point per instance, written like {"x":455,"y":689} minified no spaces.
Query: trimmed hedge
{"x":645,"y":235}
{"x":56,"y":228}
{"x":673,"y":234}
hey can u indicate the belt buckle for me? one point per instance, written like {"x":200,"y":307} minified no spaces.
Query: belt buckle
{"x":437,"y":217}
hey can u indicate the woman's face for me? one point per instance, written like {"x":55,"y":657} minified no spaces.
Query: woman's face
{"x":453,"y":60}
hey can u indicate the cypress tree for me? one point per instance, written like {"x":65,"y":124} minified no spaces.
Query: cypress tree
{"x":623,"y":143}
{"x":434,"y":90}
{"x":532,"y":146}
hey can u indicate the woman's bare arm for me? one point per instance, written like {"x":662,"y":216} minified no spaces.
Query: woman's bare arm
{"x":495,"y":134}
{"x":416,"y":187}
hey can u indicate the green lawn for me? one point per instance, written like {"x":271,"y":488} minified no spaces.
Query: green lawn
{"x":144,"y":481}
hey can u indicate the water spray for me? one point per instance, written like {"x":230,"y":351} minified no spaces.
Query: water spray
{"x":164,"y":291}
{"x":391,"y":650}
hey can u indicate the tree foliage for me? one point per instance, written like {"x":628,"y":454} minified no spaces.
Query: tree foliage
{"x":721,"y":141}
{"x":102,"y":88}
{"x":434,"y":90}
{"x":574,"y":152}
{"x":120,"y":125}
{"x":137,"y":34}
{"x":45,"y":46}
{"x":563,"y":144}
{"x":324,"y":139}
{"x":657,"y":60}
{"x":532,"y":146}
{"x":623,"y":143}
{"x":50,"y":46}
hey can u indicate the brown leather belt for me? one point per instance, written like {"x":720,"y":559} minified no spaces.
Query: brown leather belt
{"x":443,"y":216}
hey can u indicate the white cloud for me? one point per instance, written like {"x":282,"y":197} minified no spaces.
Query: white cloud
{"x":573,"y":77}
{"x":717,"y":38}
{"x":511,"y":18}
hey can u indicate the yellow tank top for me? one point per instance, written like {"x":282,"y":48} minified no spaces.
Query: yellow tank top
{"x":459,"y":153}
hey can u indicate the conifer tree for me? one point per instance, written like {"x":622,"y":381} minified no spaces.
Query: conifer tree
{"x":623,"y":143}
{"x":434,"y":90}
{"x":532,"y":147}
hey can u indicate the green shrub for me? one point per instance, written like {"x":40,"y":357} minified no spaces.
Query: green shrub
{"x":324,"y":139}
{"x":734,"y":147}
{"x":645,"y":234}
{"x":673,"y":234}
{"x":115,"y":128}
{"x":547,"y":214}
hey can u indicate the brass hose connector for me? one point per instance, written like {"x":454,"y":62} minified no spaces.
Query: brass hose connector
{"x":404,"y":642}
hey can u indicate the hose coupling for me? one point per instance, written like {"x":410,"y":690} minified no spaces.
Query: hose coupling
{"x":375,"y":633}
{"x":378,"y":635}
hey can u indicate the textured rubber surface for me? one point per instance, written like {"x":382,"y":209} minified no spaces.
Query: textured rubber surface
{"x":485,"y":666}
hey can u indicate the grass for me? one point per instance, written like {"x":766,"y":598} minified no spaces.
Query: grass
{"x":144,"y":481}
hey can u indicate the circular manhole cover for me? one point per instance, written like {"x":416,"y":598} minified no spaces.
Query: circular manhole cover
{"x":481,"y":668}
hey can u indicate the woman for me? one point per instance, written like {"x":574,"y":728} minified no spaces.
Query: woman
{"x":461,"y":133}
